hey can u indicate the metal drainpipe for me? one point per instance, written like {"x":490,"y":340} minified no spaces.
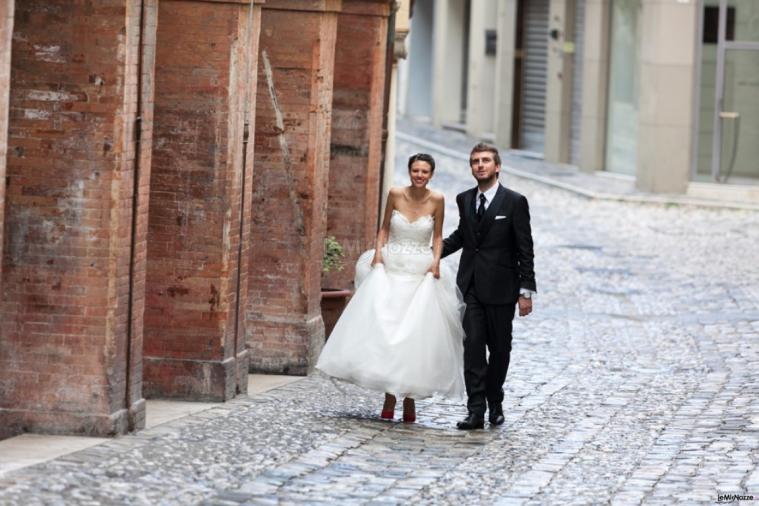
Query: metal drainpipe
{"x":245,"y":137}
{"x":135,"y":205}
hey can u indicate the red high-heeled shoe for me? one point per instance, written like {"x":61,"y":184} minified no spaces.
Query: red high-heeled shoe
{"x":409,"y":410}
{"x":388,"y":414}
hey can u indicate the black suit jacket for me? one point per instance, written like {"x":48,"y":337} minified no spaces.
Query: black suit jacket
{"x":497,"y":254}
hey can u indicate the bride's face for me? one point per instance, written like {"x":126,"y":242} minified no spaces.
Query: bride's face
{"x":420,"y":173}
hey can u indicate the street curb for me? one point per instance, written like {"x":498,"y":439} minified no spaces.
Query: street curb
{"x":663,"y":199}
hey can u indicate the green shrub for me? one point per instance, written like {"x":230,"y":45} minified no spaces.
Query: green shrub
{"x":333,"y":255}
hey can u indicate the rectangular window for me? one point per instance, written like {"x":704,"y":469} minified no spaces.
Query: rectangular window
{"x":711,"y":24}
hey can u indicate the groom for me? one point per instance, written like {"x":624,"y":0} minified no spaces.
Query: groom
{"x":495,"y":274}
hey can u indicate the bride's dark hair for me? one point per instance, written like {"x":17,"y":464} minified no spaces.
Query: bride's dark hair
{"x":422,"y":157}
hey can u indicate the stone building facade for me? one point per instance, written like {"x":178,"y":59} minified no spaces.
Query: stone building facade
{"x":172,"y":168}
{"x":658,"y":92}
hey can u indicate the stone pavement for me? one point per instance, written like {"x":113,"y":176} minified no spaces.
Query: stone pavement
{"x":635,"y":381}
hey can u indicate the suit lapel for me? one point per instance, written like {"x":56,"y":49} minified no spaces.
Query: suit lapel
{"x":487,"y":220}
{"x":469,"y":213}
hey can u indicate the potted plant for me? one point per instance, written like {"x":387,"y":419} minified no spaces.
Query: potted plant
{"x":333,"y":300}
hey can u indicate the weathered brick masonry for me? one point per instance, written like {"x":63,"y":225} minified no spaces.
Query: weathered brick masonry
{"x":205,"y":92}
{"x":113,"y":223}
{"x":6,"y":32}
{"x":72,"y":263}
{"x":356,"y":146}
{"x":285,"y":328}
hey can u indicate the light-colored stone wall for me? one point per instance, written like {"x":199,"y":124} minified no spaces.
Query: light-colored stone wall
{"x":595,"y":71}
{"x":504,"y":82}
{"x":416,"y":96}
{"x":559,"y":86}
{"x":448,"y":61}
{"x":480,"y":117}
{"x":667,"y":74}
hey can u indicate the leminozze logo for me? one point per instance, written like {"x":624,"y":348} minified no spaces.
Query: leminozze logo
{"x":728,"y":498}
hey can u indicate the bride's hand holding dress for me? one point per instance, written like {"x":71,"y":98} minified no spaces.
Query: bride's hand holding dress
{"x":435,"y":269}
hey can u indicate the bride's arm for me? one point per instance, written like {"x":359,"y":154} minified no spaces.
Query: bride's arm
{"x":437,"y":235}
{"x":384,"y":231}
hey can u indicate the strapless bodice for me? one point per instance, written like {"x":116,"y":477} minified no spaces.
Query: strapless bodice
{"x":417,"y":233}
{"x":407,"y":250}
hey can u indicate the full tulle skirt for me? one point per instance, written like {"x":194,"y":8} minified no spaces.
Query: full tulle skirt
{"x":401,"y":332}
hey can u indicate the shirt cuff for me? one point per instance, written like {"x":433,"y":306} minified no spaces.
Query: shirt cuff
{"x":523,"y":291}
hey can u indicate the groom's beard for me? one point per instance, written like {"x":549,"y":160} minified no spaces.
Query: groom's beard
{"x":486,"y":181}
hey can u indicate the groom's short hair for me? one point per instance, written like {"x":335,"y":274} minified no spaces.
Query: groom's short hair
{"x":487,"y":148}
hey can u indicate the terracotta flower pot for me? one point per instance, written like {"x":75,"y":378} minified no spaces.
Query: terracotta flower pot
{"x":333,"y":302}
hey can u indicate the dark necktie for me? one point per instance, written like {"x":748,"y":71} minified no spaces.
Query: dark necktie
{"x":481,"y":209}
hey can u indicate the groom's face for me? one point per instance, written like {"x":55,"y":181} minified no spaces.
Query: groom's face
{"x":483,"y":166}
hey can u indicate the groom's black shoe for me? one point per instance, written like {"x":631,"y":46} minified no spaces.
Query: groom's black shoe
{"x":495,"y":414}
{"x":471,"y":422}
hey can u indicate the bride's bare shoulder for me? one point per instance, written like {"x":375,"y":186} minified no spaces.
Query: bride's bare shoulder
{"x":396,"y":191}
{"x":437,"y":196}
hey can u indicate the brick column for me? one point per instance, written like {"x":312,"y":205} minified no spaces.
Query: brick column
{"x":293,"y":114}
{"x":6,"y":32}
{"x":205,"y":92}
{"x":356,"y":148}
{"x":70,"y":352}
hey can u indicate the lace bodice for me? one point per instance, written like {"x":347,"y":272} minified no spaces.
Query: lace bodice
{"x":417,"y":233}
{"x":407,"y":251}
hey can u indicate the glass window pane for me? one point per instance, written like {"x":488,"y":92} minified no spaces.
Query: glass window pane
{"x":708,"y":89}
{"x":622,"y":115}
{"x":746,"y":19}
{"x":740,"y":130}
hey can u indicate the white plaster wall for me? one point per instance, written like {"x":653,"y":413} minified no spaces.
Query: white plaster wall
{"x":481,"y":98}
{"x":418,"y":72}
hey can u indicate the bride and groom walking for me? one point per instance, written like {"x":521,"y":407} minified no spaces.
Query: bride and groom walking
{"x":403,"y":332}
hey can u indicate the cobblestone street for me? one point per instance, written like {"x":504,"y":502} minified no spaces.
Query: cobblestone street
{"x":635,"y":381}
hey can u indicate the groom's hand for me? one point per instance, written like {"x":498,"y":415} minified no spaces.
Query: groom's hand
{"x":525,"y":306}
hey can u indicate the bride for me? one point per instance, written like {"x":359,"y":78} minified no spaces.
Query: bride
{"x":401,"y":332}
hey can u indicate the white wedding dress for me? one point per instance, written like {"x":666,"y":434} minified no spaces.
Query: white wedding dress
{"x":401,"y":332}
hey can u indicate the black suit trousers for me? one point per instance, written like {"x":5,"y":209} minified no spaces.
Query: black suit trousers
{"x":487,"y":328}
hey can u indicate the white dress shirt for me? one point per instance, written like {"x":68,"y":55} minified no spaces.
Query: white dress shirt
{"x":489,"y":196}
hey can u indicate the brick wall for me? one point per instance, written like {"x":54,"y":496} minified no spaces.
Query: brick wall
{"x":6,"y":31}
{"x":356,"y":144}
{"x":69,"y":361}
{"x":285,"y":330}
{"x":205,"y":83}
{"x":143,"y":148}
